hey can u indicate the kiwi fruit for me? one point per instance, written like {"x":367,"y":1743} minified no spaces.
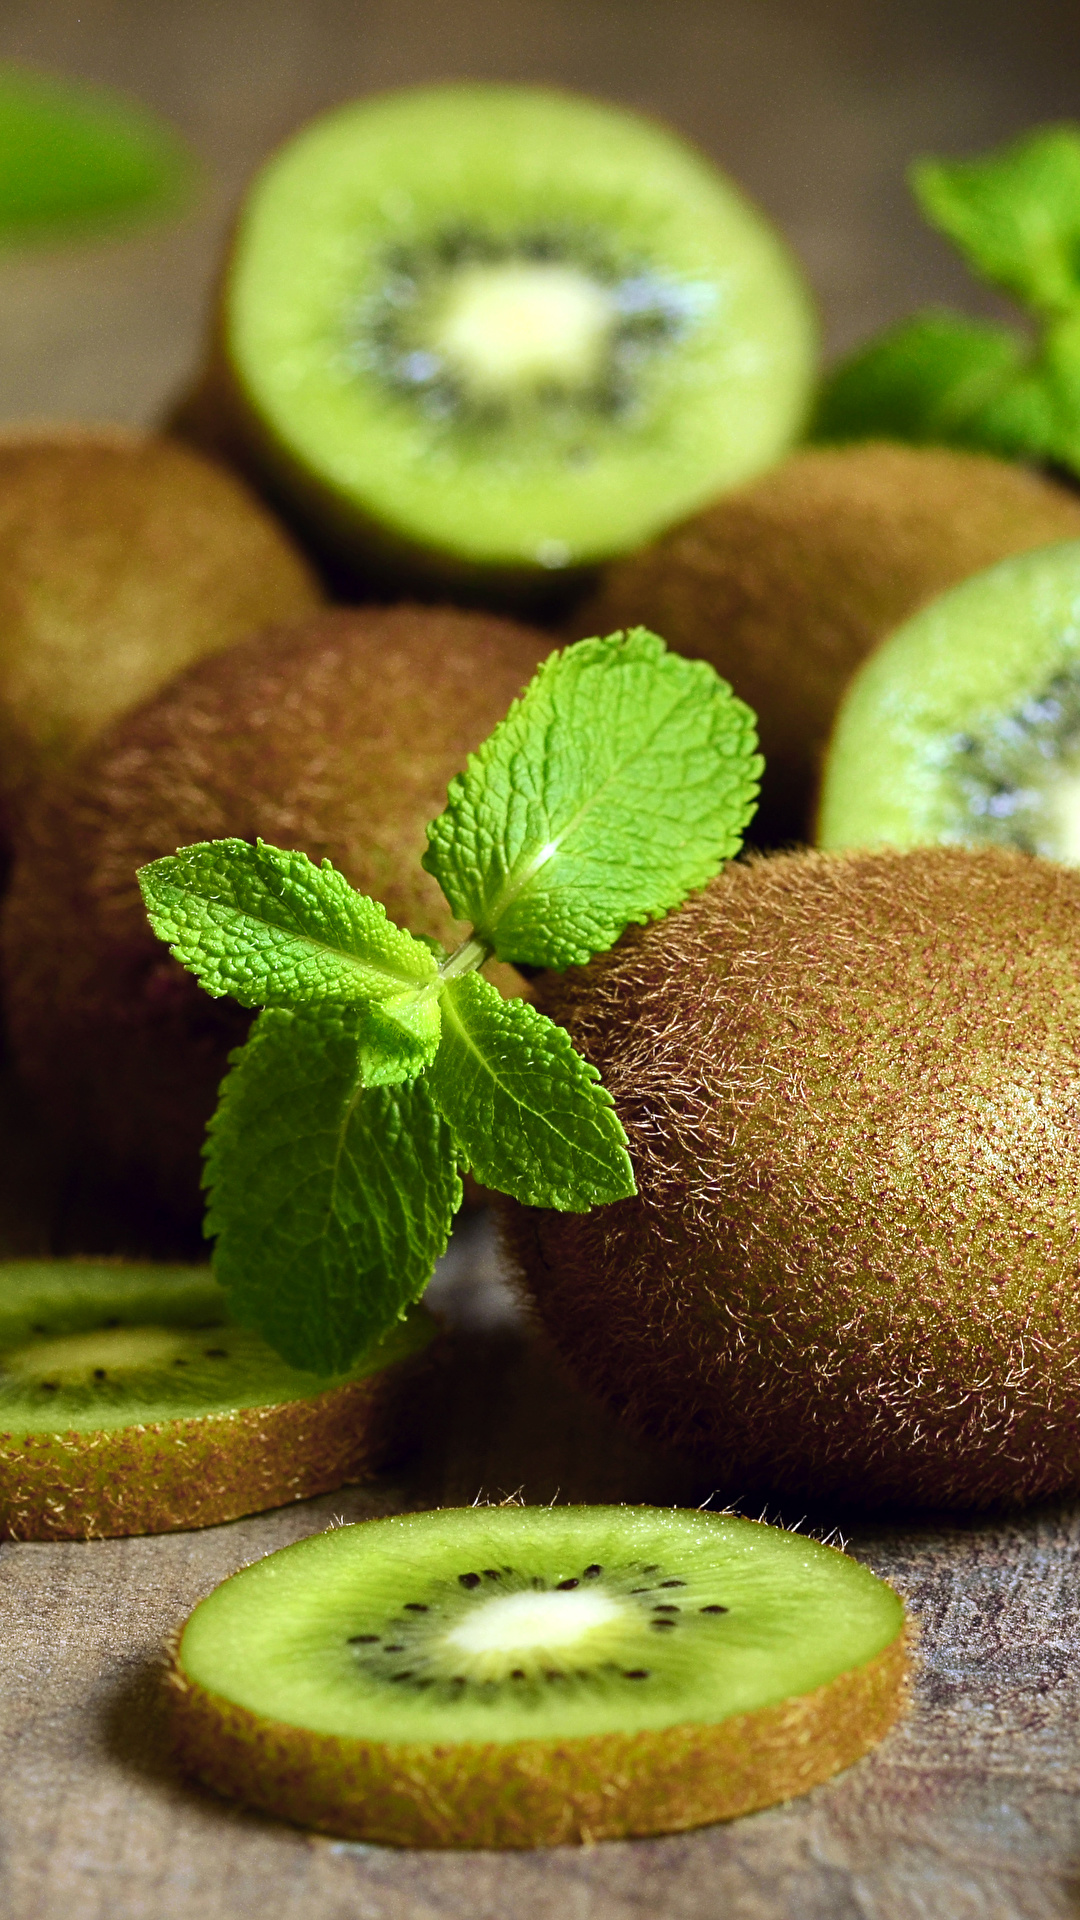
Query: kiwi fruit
{"x":849,"y":1086}
{"x":336,"y":735}
{"x":123,"y":557}
{"x":477,"y":337}
{"x":787,"y":584}
{"x":964,"y":727}
{"x":130,"y":1403}
{"x":520,"y":1677}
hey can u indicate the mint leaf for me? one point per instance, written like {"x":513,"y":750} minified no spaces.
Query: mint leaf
{"x":74,"y":156}
{"x":530,"y":1116}
{"x":1014,"y":214}
{"x":930,"y":379}
{"x":331,"y":1202}
{"x":272,"y":929}
{"x":619,"y":782}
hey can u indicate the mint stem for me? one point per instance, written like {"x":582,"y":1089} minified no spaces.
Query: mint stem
{"x":471,"y":954}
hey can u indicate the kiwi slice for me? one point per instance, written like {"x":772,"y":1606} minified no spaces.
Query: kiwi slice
{"x":787,"y":585}
{"x":496,"y":332}
{"x":964,"y":727}
{"x":130,"y":1403}
{"x":518,"y":1677}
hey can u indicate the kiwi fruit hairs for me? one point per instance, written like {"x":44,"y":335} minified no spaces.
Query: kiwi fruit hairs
{"x":964,"y":726}
{"x":123,"y":557}
{"x":787,"y":584}
{"x":850,"y":1090}
{"x":337,"y":735}
{"x":130,"y":1403}
{"x":475,"y":338}
{"x":521,"y":1677}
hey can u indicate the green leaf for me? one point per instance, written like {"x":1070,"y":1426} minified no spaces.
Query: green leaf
{"x":272,"y":929}
{"x":619,"y":782}
{"x":331,"y":1202}
{"x":1014,"y":214}
{"x":928,"y":380}
{"x":530,"y":1116}
{"x":74,"y":156}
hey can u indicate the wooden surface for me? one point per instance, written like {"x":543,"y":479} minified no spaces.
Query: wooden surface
{"x":970,"y":1810}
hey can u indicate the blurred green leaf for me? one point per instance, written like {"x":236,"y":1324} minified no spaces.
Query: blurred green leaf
{"x":75,"y":157}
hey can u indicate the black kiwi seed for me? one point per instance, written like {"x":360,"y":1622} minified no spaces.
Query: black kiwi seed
{"x":672,"y":1583}
{"x":653,"y":1569}
{"x":394,"y":1649}
{"x":469,"y":1580}
{"x":50,"y":1386}
{"x":667,"y":1606}
{"x":564,"y":1586}
{"x":362,"y":1640}
{"x":593,"y":1572}
{"x":415,"y":1606}
{"x":100,"y":1374}
{"x":657,"y":1624}
{"x":492,"y":1573}
{"x":713,"y":1609}
{"x":518,"y":1673}
{"x":407,"y":1675}
{"x":636,"y":1673}
{"x":641,"y":1589}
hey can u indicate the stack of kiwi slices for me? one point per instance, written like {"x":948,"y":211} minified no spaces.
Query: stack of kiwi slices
{"x":481,"y":336}
{"x":130,"y":1403}
{"x":516,"y":1677}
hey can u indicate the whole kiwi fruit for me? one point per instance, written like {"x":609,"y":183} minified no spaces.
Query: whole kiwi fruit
{"x":336,"y":735}
{"x":787,"y":584}
{"x":123,"y":557}
{"x":851,"y":1270}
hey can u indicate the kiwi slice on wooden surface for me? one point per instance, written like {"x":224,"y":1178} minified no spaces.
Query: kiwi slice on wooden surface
{"x":785,"y":586}
{"x":964,"y":727}
{"x":520,"y":1677}
{"x":123,"y":557}
{"x":130,"y":1403}
{"x":488,"y":334}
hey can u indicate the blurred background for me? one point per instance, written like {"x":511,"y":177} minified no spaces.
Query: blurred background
{"x":816,"y":106}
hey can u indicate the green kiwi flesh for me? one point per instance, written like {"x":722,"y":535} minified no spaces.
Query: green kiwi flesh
{"x":521,"y":1677}
{"x":964,"y":727}
{"x":122,"y":559}
{"x":787,"y":585}
{"x":490,"y":329}
{"x":337,"y":735}
{"x":131,"y":1403}
{"x":849,"y":1086}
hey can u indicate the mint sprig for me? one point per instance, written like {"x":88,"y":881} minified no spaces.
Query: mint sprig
{"x":1014,"y":214}
{"x":76,"y":158}
{"x":619,"y":782}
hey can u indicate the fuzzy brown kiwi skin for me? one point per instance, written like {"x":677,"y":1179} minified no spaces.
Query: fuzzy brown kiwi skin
{"x":123,"y":557}
{"x":177,"y":1474}
{"x":336,"y":735}
{"x":536,"y":1793}
{"x":851,"y":1270}
{"x":786,"y":585}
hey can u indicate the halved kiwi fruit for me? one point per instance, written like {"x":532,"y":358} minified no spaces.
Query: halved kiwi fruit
{"x":964,"y":727}
{"x":489,"y":334}
{"x":123,"y":557}
{"x":520,"y":1677}
{"x":787,"y":585}
{"x":130,"y":1403}
{"x":849,"y":1085}
{"x":337,"y":735}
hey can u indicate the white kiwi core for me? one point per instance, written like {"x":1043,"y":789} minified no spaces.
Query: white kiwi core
{"x":530,"y":1622}
{"x":516,"y":323}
